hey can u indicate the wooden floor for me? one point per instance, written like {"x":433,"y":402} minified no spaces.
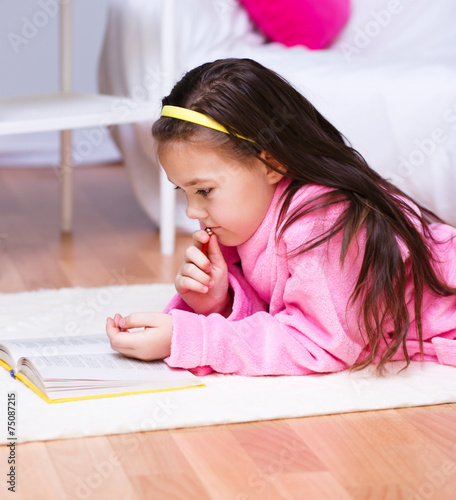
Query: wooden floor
{"x":405,"y":454}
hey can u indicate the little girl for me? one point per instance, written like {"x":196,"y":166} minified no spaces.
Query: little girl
{"x":315,"y":263}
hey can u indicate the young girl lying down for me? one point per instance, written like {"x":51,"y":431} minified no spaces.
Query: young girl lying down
{"x":314,"y":262}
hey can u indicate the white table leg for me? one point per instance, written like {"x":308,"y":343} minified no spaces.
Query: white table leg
{"x":66,"y":162}
{"x":66,"y":182}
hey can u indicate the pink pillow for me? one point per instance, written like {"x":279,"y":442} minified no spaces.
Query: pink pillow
{"x":313,"y":23}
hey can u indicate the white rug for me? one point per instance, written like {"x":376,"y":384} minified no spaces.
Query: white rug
{"x":225,"y":399}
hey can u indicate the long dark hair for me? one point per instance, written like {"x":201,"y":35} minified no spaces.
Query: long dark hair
{"x":255,"y":102}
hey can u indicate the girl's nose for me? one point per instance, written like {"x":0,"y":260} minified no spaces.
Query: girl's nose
{"x":196,"y":212}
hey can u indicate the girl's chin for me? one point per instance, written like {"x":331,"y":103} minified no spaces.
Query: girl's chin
{"x":228,"y":238}
{"x":231,"y":242}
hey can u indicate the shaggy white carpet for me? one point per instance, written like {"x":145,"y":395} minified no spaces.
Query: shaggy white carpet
{"x":224,"y":399}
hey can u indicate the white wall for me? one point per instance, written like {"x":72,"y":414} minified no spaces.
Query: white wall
{"x":29,"y":64}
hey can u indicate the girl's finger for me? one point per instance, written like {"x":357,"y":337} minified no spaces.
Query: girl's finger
{"x":214,"y":254}
{"x":117,"y":319}
{"x":111,"y":328}
{"x":194,"y":272}
{"x":185,"y":284}
{"x":141,"y":320}
{"x":200,"y":237}
{"x":194,"y":255}
{"x":122,"y":340}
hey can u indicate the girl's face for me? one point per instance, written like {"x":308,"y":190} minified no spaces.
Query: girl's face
{"x":229,"y":196}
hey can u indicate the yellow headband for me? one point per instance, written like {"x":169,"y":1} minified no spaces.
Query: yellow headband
{"x":189,"y":115}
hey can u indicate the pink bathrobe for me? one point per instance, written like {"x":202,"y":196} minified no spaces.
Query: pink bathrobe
{"x":290,"y":315}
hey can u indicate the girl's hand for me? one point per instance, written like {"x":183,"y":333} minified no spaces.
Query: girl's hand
{"x":153,"y":342}
{"x":202,"y":281}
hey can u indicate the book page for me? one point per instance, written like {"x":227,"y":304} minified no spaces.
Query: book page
{"x":56,"y":346}
{"x":104,"y":367}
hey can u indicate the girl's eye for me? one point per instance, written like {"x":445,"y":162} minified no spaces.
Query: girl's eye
{"x":204,"y":192}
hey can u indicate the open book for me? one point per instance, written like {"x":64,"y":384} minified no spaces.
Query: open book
{"x":69,"y":368}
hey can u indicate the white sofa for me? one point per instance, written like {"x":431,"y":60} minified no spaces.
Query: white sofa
{"x":388,"y":83}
